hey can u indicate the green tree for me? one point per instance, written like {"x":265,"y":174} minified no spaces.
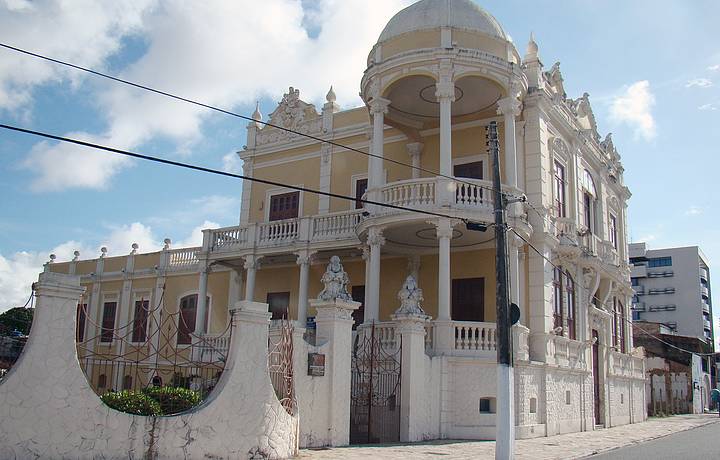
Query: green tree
{"x":16,"y":318}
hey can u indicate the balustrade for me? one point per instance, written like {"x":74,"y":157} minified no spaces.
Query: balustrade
{"x":337,"y":225}
{"x":474,"y":337}
{"x":178,"y":258}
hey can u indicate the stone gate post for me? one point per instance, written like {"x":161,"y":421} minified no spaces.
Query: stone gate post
{"x":334,"y":321}
{"x":413,"y":399}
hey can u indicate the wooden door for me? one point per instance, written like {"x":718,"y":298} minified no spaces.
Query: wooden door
{"x":468,"y":299}
{"x":596,"y":375}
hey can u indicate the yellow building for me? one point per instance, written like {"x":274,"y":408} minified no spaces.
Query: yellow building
{"x":439,"y":74}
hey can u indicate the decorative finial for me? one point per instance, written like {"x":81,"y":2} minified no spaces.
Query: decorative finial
{"x":532,"y":47}
{"x":135,"y":247}
{"x":331,"y":97}
{"x":77,"y":256}
{"x":52,"y":258}
{"x":167,"y":242}
{"x":257,"y":116}
{"x":335,"y":280}
{"x":103,"y":252}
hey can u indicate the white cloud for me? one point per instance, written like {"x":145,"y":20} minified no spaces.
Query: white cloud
{"x":19,"y":270}
{"x":253,"y":49}
{"x":634,"y":108}
{"x":694,"y":211}
{"x":232,"y":163}
{"x":714,"y":68}
{"x":699,"y":82}
{"x":708,"y":106}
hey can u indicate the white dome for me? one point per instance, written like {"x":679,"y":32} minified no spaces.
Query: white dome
{"x":431,"y":14}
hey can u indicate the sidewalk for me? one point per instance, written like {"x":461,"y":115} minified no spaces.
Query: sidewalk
{"x":573,"y":445}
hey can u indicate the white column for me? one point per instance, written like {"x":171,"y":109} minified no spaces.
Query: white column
{"x":251,"y":265}
{"x":444,"y":232}
{"x":414,"y":150}
{"x":202,"y":301}
{"x":372,"y":289}
{"x":445,"y":94}
{"x":510,"y":108}
{"x":303,"y":260}
{"x":378,"y":109}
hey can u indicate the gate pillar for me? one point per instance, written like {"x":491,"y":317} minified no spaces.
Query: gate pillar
{"x":334,"y":322}
{"x":413,"y":397}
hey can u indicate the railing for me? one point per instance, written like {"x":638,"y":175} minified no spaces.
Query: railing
{"x":705,"y":307}
{"x":607,"y":253}
{"x":178,"y":258}
{"x":589,"y":243}
{"x":277,"y":232}
{"x":387,"y":335}
{"x":704,"y":291}
{"x":213,"y":348}
{"x":474,"y":337}
{"x":703,"y":274}
{"x":567,"y":352}
{"x":229,"y":238}
{"x":566,"y":227}
{"x":337,"y":225}
{"x":468,"y":194}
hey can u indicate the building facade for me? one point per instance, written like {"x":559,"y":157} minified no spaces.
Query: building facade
{"x":672,"y":286}
{"x":440,"y":72}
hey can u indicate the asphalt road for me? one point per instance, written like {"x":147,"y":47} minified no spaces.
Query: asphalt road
{"x":698,"y":443}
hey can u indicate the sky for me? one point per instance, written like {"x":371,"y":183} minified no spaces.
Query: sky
{"x":651,"y":67}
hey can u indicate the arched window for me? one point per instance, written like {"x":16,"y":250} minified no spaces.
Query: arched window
{"x":157,"y":381}
{"x":564,"y":302}
{"x":186,"y":319}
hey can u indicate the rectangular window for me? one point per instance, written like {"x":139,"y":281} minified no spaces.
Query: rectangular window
{"x":622,"y":326}
{"x":468,"y":299}
{"x":660,"y":262}
{"x":570,"y":288}
{"x":108,"y":322}
{"x":140,"y":320}
{"x":278,"y":303}
{"x":81,"y":316}
{"x":613,"y":231}
{"x":358,"y":295}
{"x":559,"y":189}
{"x":360,"y":189}
{"x":615,"y":322}
{"x":186,"y":319}
{"x":472,"y":170}
{"x":284,"y":206}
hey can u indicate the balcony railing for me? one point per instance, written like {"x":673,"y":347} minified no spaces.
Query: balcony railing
{"x":704,"y":292}
{"x":324,"y":227}
{"x":434,"y":192}
{"x":472,"y":337}
{"x":182,"y":258}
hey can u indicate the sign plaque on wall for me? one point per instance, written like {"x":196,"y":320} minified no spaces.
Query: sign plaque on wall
{"x":316,"y":364}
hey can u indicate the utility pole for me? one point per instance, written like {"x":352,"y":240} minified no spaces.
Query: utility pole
{"x":505,"y":419}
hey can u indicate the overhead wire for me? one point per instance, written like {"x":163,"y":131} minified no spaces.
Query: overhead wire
{"x":221,"y":173}
{"x":235,"y":114}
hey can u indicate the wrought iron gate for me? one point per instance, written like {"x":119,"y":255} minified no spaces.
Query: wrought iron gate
{"x":375,"y":389}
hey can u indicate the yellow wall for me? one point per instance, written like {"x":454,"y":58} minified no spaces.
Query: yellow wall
{"x":411,"y":41}
{"x":303,"y":172}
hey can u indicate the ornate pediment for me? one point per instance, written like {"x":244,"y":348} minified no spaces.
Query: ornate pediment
{"x":555,"y":81}
{"x":585,"y":116}
{"x":294,"y":114}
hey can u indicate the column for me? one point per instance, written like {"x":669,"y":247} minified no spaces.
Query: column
{"x":251,"y":266}
{"x":510,"y":108}
{"x":303,"y":260}
{"x":414,"y":150}
{"x":413,"y":421}
{"x":200,"y":326}
{"x":372,"y":289}
{"x":445,"y":94}
{"x":444,"y":232}
{"x":378,"y":109}
{"x":514,"y":269}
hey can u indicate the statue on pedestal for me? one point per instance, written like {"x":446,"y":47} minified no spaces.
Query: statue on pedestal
{"x":336,"y":281}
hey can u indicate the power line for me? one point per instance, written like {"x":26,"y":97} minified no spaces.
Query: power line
{"x":221,"y":173}
{"x":235,"y":114}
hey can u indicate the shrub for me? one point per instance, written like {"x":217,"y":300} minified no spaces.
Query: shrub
{"x":132,"y":402}
{"x":173,"y":400}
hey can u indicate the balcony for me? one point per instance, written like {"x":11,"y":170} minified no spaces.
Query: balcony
{"x":704,"y":292}
{"x":638,"y":271}
{"x":316,"y":229}
{"x":707,"y":325}
{"x":703,"y":274}
{"x":705,"y":307}
{"x":460,"y":197}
